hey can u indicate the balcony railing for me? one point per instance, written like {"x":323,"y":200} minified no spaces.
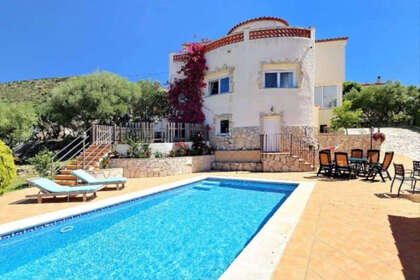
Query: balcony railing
{"x":149,"y":132}
{"x":254,"y":34}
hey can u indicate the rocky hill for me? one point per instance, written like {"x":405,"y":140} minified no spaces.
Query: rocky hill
{"x":29,"y":90}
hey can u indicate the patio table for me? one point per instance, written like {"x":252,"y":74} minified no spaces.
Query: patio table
{"x":359,"y":164}
{"x":358,"y":160}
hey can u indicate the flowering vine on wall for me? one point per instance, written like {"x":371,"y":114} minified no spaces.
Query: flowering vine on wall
{"x":185,"y":94}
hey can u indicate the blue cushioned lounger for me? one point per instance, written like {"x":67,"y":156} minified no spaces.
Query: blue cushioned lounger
{"x":48,"y":188}
{"x":90,"y":180}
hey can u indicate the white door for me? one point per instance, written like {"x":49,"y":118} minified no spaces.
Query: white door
{"x":272,"y":133}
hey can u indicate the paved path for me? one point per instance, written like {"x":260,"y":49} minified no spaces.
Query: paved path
{"x":402,"y":141}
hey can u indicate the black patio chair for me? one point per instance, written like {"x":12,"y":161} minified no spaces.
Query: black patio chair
{"x":416,"y":168}
{"x":372,"y":160}
{"x":381,"y":168}
{"x":342,"y":166}
{"x":373,"y":156}
{"x":356,"y":153}
{"x":403,"y":175}
{"x":325,"y":164}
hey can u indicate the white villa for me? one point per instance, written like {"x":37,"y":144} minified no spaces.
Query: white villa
{"x":264,"y":77}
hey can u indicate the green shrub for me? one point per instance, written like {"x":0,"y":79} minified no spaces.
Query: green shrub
{"x":158,"y":155}
{"x":145,"y":150}
{"x":42,"y":162}
{"x":137,"y":150}
{"x":7,"y":166}
{"x":417,"y":121}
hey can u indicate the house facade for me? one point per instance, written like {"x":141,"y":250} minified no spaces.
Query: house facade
{"x":266,"y":77}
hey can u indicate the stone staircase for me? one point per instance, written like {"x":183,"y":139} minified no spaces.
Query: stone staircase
{"x":278,"y":153}
{"x":92,"y":157}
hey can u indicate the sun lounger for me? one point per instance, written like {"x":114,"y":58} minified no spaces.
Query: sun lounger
{"x":90,"y":180}
{"x":48,"y":188}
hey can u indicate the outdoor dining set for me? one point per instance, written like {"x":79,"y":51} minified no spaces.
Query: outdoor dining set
{"x":366,"y":167}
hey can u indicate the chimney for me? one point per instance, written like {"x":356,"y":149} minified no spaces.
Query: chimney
{"x":378,"y":80}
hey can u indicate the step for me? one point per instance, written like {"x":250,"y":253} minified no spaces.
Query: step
{"x":210,"y":183}
{"x":102,"y":148}
{"x":65,"y":182}
{"x":87,"y":161}
{"x":74,"y":166}
{"x":93,"y":154}
{"x":65,"y":177}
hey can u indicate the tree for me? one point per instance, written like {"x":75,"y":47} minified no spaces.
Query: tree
{"x":151,"y":103}
{"x":7,"y":166}
{"x":348,"y":86}
{"x":385,"y":105}
{"x":101,"y":96}
{"x":345,"y":117}
{"x":17,"y":121}
{"x":185,"y":94}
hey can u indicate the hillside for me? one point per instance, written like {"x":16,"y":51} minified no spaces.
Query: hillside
{"x":29,"y":90}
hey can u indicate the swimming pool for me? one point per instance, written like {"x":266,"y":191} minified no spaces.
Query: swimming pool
{"x":192,"y":231}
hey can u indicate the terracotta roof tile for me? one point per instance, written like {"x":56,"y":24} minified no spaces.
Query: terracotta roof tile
{"x":332,"y":39}
{"x":258,"y":19}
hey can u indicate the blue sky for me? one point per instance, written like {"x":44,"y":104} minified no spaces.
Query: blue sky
{"x":51,"y":38}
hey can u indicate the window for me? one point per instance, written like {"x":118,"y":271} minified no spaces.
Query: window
{"x":278,"y":80}
{"x":270,"y":80}
{"x":218,"y":86}
{"x":214,"y":87}
{"x":326,"y":96}
{"x":323,"y":128}
{"x":224,"y":127}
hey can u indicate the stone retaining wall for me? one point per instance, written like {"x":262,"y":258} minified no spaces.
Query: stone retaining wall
{"x":157,"y":167}
{"x":347,"y":142}
{"x":238,"y":156}
{"x":240,"y":138}
{"x":107,"y":173}
{"x":237,"y":166}
{"x":284,"y":162}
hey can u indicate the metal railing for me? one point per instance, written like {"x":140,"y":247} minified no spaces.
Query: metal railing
{"x":101,"y":146}
{"x":77,"y":148}
{"x":288,"y":143}
{"x":70,"y":151}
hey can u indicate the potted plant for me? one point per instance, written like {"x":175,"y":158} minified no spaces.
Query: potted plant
{"x":378,"y":136}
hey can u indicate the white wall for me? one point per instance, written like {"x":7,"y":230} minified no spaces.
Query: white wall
{"x":249,"y":98}
{"x":315,"y":64}
{"x":330,"y":61}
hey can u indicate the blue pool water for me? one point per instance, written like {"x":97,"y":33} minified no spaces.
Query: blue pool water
{"x":191,"y":232}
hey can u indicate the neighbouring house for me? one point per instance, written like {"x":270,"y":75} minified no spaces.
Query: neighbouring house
{"x":377,"y":83}
{"x":265,"y":77}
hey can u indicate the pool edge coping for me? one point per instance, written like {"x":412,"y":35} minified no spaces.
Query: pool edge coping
{"x":34,"y":221}
{"x":257,"y":260}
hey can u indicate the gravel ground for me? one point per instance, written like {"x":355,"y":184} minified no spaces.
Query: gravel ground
{"x":400,"y":140}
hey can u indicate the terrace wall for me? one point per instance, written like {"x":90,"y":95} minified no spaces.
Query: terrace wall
{"x":157,"y":167}
{"x":347,"y":142}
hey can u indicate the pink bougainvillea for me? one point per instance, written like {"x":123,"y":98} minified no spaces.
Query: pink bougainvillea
{"x":185,"y":94}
